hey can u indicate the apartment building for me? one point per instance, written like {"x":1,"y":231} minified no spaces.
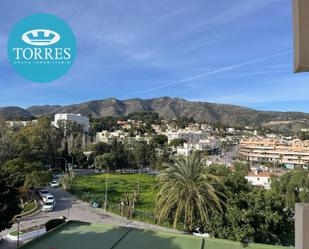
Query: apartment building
{"x":209,"y":145}
{"x":191,"y":136}
{"x":78,"y":118}
{"x":291,"y":154}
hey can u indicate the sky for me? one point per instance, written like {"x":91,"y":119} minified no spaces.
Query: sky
{"x":235,"y":52}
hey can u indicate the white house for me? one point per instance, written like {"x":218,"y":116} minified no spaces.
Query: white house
{"x":259,"y":178}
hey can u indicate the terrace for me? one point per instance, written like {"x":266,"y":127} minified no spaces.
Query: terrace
{"x":81,"y":235}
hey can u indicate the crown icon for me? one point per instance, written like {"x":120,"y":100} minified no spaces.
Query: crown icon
{"x":40,"y":36}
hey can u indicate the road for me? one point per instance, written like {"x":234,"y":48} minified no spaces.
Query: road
{"x":69,"y":206}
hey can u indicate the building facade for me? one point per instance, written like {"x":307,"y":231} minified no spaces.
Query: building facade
{"x":290,"y":154}
{"x":77,"y":118}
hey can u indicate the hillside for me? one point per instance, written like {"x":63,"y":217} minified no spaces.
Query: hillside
{"x":170,"y":108}
{"x":14,"y":112}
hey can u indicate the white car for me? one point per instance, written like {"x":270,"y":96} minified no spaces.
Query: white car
{"x":43,"y":193}
{"x":47,"y":198}
{"x":55,"y":184}
{"x":48,"y":206}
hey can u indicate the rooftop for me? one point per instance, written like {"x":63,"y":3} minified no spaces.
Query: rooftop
{"x":82,"y":235}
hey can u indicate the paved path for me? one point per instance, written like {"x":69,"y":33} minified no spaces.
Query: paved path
{"x":69,"y":206}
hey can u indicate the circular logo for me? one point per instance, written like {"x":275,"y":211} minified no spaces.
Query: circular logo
{"x":41,"y":47}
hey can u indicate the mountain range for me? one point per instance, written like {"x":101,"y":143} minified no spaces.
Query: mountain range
{"x":170,"y":108}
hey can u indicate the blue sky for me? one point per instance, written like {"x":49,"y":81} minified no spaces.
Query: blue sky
{"x":235,"y":52}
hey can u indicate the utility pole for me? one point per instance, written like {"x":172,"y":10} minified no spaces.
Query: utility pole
{"x":105,"y":201}
{"x":72,"y":159}
{"x":18,"y":219}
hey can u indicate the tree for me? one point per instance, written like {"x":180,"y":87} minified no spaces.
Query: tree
{"x":159,"y":140}
{"x":39,"y":142}
{"x":37,"y":179}
{"x":6,"y":142}
{"x":67,"y":180}
{"x":106,"y":161}
{"x":177,"y":142}
{"x":233,"y":180}
{"x":187,"y":192}
{"x":293,"y":186}
{"x":100,"y":148}
{"x":259,"y":216}
{"x":143,"y":155}
{"x":19,"y":169}
{"x":8,"y":201}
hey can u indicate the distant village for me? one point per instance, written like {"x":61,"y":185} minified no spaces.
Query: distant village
{"x":267,"y":154}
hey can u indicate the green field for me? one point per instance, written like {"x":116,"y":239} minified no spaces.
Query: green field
{"x":91,"y":188}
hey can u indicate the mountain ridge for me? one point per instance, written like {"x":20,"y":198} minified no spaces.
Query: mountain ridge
{"x":166,"y":107}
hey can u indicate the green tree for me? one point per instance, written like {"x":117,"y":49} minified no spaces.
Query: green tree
{"x":39,"y":142}
{"x":100,"y":148}
{"x":9,"y":201}
{"x":67,"y":180}
{"x":293,"y":186}
{"x":106,"y":161}
{"x":233,"y":180}
{"x":177,"y":142}
{"x":143,"y":155}
{"x":159,"y":140}
{"x":188,"y":191}
{"x":259,"y":216}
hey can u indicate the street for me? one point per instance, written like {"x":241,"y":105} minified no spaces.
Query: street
{"x":74,"y":209}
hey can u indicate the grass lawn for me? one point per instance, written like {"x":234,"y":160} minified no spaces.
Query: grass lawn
{"x":91,"y":188}
{"x":29,"y":206}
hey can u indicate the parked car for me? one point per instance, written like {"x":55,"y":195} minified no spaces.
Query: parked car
{"x":38,"y":190}
{"x":43,"y":193}
{"x":47,"y":198}
{"x":55,"y":184}
{"x":48,"y":206}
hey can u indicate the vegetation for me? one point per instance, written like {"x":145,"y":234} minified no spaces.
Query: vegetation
{"x":177,"y":142}
{"x":51,"y":224}
{"x":26,"y":154}
{"x":8,"y":200}
{"x":123,"y":156}
{"x":188,"y":192}
{"x":121,"y":188}
{"x":27,"y":230}
{"x":250,"y":214}
{"x":67,"y":180}
{"x":293,"y":187}
{"x":258,"y":216}
{"x":188,"y":195}
{"x":30,"y":205}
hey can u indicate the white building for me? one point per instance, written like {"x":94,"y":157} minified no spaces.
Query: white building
{"x":190,"y":136}
{"x":259,"y":178}
{"x":108,"y":137}
{"x":77,"y":118}
{"x":119,"y":135}
{"x":20,"y":123}
{"x":202,"y":145}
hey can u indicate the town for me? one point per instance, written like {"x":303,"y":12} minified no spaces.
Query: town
{"x":154,"y":124}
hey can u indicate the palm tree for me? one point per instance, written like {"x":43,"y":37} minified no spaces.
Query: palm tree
{"x":189,"y":190}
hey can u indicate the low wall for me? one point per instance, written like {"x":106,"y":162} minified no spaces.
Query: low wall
{"x":27,"y":236}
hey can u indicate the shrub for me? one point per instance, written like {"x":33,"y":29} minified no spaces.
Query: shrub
{"x":53,"y":223}
{"x":67,"y":180}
